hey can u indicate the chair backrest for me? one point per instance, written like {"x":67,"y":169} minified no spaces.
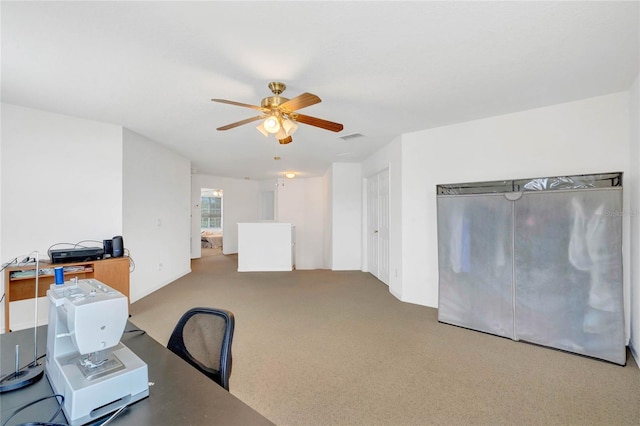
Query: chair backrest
{"x":203,"y":338}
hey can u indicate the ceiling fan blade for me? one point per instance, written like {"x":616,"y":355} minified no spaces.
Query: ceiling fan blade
{"x":301,"y":101}
{"x":224,"y":101}
{"x":318,"y":122}
{"x":240,"y":123}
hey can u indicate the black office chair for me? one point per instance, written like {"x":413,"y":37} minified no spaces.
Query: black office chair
{"x":203,"y":338}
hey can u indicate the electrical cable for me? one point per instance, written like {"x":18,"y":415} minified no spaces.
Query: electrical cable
{"x":60,"y":406}
{"x":4,"y":265}
{"x":113,"y":416}
{"x":84,"y":241}
{"x":132,"y":264}
{"x":25,"y":406}
{"x":60,"y":244}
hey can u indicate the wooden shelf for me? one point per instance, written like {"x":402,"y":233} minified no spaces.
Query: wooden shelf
{"x":114,"y":272}
{"x":42,"y":275}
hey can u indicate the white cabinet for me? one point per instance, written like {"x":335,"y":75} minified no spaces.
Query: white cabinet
{"x":266,"y":246}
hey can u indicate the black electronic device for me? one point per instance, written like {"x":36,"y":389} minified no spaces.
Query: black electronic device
{"x":80,"y":254}
{"x":108,"y":248}
{"x":118,"y":246}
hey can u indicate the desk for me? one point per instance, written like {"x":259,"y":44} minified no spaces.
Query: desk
{"x":180,"y":395}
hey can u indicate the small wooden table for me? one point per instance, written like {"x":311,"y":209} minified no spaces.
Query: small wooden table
{"x":20,"y":281}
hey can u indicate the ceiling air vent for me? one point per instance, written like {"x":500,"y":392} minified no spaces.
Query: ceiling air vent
{"x":351,"y":136}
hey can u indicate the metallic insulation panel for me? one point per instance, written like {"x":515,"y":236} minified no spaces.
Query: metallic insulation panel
{"x":541,"y":265}
{"x":475,"y":261}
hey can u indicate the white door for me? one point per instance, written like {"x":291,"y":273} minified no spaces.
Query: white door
{"x":378,"y":225}
{"x":372,"y":225}
{"x":383,"y":226}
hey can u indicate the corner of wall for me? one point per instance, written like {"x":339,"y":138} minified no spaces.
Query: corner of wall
{"x":634,"y":354}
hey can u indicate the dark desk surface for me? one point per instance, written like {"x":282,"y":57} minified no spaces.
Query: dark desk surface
{"x":180,"y":395}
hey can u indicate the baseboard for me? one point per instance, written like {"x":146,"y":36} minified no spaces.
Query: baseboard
{"x":395,"y":294}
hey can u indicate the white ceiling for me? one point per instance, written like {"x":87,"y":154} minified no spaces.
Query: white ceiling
{"x":381,"y":68}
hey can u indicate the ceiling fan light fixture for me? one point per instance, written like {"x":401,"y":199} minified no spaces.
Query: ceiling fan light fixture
{"x":289,"y":126}
{"x":279,"y":115}
{"x":272,"y":124}
{"x":262,"y":130}
{"x":281,"y":134}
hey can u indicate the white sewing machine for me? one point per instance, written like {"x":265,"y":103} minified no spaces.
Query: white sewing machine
{"x":86,"y":363}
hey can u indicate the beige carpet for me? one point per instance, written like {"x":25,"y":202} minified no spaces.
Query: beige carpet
{"x":336,"y":348}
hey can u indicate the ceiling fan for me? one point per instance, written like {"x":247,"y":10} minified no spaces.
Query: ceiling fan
{"x":280,"y":114}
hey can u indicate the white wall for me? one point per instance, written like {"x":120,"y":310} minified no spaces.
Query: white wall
{"x":346,"y":221}
{"x":239,"y":204}
{"x":61,"y":182}
{"x":327,"y":217}
{"x":300,"y":202}
{"x":587,"y":136}
{"x":634,"y":213}
{"x":156,"y":213}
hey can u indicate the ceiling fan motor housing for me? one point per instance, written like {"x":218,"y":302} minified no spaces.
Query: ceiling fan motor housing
{"x":277,"y":87}
{"x":273,"y":101}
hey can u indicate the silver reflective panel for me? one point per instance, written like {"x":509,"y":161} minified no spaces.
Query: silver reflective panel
{"x":475,"y":263}
{"x":543,"y":265}
{"x":568,"y":269}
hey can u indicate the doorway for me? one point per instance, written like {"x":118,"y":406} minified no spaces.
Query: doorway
{"x":378,"y":225}
{"x":211,"y":220}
